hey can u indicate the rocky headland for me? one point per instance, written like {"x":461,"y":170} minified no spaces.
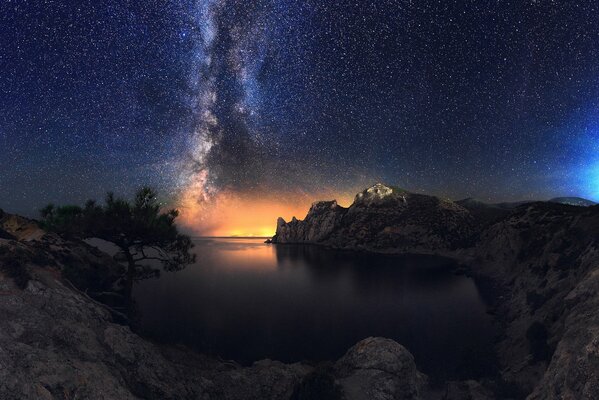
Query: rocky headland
{"x":383,"y":219}
{"x":537,"y":262}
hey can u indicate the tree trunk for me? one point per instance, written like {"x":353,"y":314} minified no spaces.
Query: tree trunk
{"x":130,"y":276}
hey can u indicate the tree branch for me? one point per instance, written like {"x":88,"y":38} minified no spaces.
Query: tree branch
{"x":163,"y":255}
{"x":150,"y":258}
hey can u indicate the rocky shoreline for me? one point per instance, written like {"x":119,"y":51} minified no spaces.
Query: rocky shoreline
{"x":59,"y":340}
{"x":540,"y":260}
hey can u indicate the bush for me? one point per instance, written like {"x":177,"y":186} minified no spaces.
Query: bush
{"x":134,"y":226}
{"x":91,"y":278}
{"x":11,"y":264}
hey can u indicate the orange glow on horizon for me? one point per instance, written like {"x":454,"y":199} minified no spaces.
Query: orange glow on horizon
{"x":239,"y":214}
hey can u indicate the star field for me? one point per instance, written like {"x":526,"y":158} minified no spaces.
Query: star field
{"x":495,"y":100}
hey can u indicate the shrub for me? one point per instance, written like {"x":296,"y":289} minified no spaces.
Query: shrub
{"x":12,"y":266}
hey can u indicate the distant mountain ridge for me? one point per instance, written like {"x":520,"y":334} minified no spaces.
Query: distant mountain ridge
{"x":471,"y":202}
{"x":486,"y":213}
{"x":573,"y":201}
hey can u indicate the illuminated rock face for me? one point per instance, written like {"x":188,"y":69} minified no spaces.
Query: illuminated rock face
{"x":322,"y":219}
{"x":19,"y":227}
{"x":383,"y":218}
{"x":380,"y":195}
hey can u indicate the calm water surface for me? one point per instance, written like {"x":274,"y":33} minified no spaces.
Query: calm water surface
{"x":246,"y":300}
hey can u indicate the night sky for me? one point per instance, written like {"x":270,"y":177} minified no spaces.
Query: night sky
{"x":221,"y":104}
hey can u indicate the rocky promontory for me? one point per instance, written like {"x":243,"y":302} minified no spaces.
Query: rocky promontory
{"x":385,"y":219}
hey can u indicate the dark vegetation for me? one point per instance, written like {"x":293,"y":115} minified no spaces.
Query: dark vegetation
{"x":143,"y":232}
{"x":12,"y":264}
{"x":89,"y":274}
{"x":14,"y":261}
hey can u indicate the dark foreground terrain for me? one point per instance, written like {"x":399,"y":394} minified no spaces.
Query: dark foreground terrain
{"x":538,"y":262}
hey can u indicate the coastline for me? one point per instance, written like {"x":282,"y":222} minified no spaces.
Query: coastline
{"x":543,"y":283}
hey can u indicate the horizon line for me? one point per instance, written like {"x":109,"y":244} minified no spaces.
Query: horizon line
{"x":231,"y":237}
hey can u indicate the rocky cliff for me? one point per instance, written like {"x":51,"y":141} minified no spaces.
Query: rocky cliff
{"x":545,"y":257}
{"x":383,"y":218}
{"x":323,"y":218}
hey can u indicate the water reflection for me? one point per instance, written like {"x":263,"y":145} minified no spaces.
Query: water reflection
{"x":238,"y":253}
{"x":246,"y":300}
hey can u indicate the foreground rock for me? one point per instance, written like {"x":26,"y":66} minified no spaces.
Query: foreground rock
{"x":467,"y":390}
{"x":377,"y":369}
{"x":56,"y":342}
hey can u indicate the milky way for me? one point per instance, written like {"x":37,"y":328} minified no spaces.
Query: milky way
{"x":245,"y":81}
{"x":271,"y":101}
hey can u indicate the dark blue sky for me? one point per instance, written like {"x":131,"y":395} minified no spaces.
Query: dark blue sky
{"x":497,"y":100}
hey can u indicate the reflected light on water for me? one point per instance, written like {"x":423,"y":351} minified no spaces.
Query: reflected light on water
{"x":240,"y":253}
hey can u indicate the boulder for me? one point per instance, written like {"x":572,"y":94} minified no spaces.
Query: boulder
{"x":379,"y":369}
